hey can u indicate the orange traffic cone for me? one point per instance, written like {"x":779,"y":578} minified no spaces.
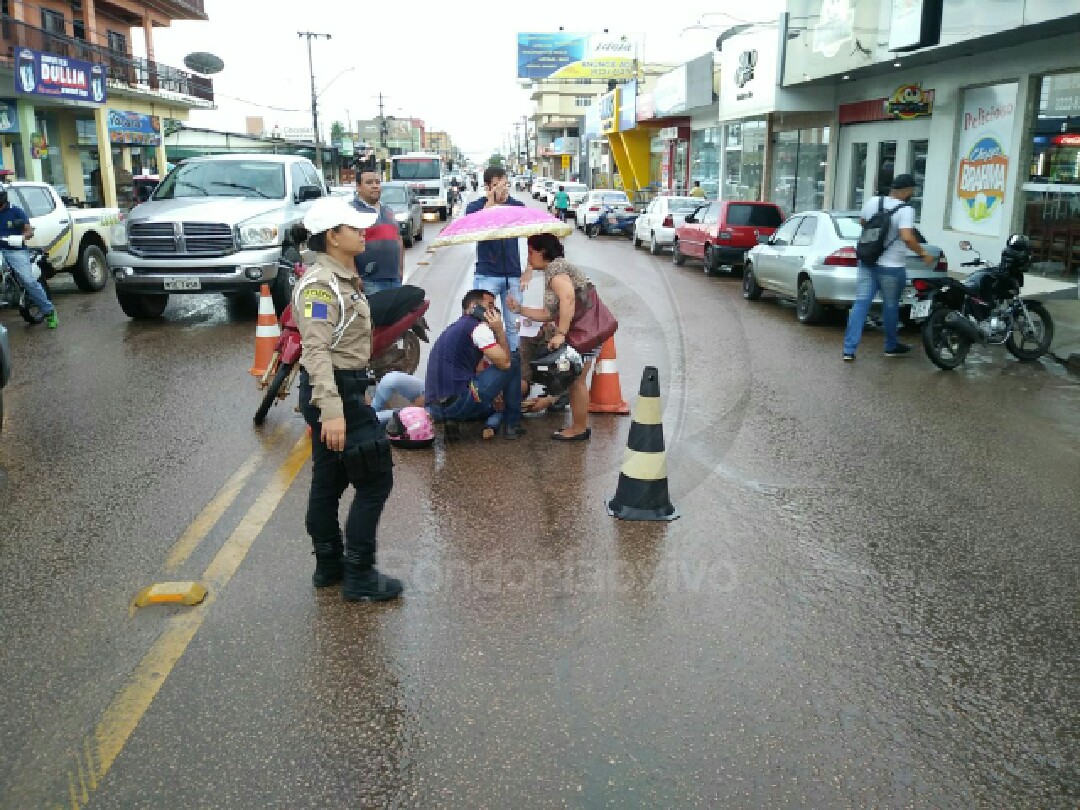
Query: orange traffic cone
{"x":605,"y":396}
{"x":266,"y":332}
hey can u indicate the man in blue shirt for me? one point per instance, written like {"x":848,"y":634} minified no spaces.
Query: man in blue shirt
{"x":498,"y":262}
{"x":381,"y":264}
{"x":15,"y":223}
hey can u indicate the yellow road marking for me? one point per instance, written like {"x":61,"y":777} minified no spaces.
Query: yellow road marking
{"x":199,"y":528}
{"x":127,"y":708}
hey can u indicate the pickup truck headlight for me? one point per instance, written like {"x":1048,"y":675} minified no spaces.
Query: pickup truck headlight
{"x":258,"y":235}
{"x":402,"y":217}
{"x":118,"y":237}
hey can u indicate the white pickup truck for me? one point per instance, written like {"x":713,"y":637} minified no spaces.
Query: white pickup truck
{"x":74,"y":240}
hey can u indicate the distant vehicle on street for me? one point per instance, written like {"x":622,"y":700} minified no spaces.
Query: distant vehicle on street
{"x":537,"y":186}
{"x":576,"y":193}
{"x":75,"y":242}
{"x":657,"y":223}
{"x":588,"y":211}
{"x":721,"y":232}
{"x":425,"y":174}
{"x":217,"y":223}
{"x":5,"y":368}
{"x":409,"y":213}
{"x":811,"y":260}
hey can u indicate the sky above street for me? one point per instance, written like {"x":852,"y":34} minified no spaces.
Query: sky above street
{"x":451,"y":64}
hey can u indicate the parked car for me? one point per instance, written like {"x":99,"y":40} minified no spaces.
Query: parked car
{"x":721,"y":232}
{"x":547,"y":191}
{"x":142,"y":187}
{"x":216,"y":223}
{"x":537,"y":186}
{"x":811,"y":259}
{"x":73,"y":241}
{"x":658,"y":221}
{"x":574,"y":190}
{"x":589,"y":210}
{"x":5,"y":368}
{"x":408,"y":211}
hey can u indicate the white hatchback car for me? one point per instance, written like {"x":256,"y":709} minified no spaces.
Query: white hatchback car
{"x":656,"y":226}
{"x":536,"y":187}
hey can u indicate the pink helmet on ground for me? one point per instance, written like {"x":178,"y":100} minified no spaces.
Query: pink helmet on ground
{"x":411,"y":428}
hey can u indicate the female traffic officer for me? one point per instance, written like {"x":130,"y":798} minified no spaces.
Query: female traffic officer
{"x":349,"y":446}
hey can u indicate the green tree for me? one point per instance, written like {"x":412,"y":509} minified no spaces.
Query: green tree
{"x":337,"y":132}
{"x":496,"y":160}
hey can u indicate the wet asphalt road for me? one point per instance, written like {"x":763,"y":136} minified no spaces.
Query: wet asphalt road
{"x":870,"y":599}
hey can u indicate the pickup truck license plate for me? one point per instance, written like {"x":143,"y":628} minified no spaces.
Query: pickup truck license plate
{"x":920,"y":309}
{"x":182,"y":284}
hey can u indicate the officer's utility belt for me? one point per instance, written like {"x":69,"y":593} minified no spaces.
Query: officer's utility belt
{"x":349,"y":379}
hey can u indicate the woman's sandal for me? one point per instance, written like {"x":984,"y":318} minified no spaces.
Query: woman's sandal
{"x":580,"y":437}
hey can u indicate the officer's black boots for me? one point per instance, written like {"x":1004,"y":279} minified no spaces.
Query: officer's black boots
{"x":363,"y":582}
{"x":329,"y":566}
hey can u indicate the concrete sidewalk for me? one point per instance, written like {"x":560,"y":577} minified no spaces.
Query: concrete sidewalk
{"x":1062,"y":299}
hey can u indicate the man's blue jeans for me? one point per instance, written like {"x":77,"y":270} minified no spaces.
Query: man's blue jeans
{"x":872,"y":278}
{"x":19,"y":262}
{"x":478,"y":402}
{"x":372,"y":286}
{"x":503,"y":287}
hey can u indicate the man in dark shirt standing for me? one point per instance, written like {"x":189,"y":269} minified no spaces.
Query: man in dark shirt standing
{"x":381,"y":264}
{"x":498,"y":261}
{"x":15,"y":225}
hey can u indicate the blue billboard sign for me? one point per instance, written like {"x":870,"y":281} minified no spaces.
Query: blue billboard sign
{"x":135,"y":128}
{"x":566,"y":55}
{"x":50,"y":76}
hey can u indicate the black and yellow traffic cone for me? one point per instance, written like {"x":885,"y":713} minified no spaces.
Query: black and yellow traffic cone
{"x":642,"y":493}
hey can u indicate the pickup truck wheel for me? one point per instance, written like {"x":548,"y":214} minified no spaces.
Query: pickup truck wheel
{"x":420,"y":233}
{"x":142,"y":307}
{"x":92,"y":271}
{"x":407,"y":240}
{"x":443,"y":214}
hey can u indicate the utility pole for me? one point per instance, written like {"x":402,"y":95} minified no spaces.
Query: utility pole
{"x":528,"y":155}
{"x":309,"y":35}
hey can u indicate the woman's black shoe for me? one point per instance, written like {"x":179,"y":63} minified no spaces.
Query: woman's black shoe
{"x":581,"y":437}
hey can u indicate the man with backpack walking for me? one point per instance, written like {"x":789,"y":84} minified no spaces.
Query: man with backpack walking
{"x":888,"y":233}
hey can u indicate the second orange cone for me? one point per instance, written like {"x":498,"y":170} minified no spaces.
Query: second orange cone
{"x":266,"y":332}
{"x":605,"y":395}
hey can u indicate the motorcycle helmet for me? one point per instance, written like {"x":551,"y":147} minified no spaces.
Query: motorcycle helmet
{"x":411,"y":428}
{"x":557,"y":370}
{"x":1016,"y":255}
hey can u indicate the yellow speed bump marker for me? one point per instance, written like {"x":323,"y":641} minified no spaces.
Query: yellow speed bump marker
{"x":170,"y":593}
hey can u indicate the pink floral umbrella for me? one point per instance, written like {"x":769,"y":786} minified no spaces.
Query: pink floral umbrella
{"x":500,"y":222}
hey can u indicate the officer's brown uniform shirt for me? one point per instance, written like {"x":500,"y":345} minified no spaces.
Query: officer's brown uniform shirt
{"x":315,"y":309}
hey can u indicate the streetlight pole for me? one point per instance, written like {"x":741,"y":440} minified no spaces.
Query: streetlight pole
{"x":309,"y":35}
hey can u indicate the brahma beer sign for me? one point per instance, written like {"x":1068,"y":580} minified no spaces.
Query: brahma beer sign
{"x":985,"y":152}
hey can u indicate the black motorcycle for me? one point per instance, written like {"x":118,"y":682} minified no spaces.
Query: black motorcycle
{"x":984,"y":308}
{"x":12,"y":292}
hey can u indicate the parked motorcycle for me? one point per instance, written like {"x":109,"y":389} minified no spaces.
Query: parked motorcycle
{"x":611,"y":221}
{"x":984,"y":308}
{"x":398,"y":326}
{"x":13,"y":294}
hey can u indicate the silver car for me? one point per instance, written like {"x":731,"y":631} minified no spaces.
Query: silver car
{"x":408,"y":211}
{"x":811,"y":259}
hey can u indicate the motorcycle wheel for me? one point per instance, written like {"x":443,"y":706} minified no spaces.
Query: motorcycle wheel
{"x":946,"y":348}
{"x":272,"y":389}
{"x":1042,"y":328}
{"x":29,"y":312}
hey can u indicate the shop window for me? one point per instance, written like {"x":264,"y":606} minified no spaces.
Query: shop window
{"x":744,"y":159}
{"x":858,"y":175}
{"x":52,"y":22}
{"x":917,"y":168}
{"x":118,"y":43}
{"x":886,"y":167}
{"x":78,"y":29}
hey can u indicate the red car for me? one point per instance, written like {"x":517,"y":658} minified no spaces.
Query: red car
{"x":721,"y":232}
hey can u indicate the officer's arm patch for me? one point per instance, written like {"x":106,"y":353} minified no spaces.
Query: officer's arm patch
{"x":318,"y":295}
{"x":316,"y":311}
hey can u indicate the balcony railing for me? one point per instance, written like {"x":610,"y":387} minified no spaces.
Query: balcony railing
{"x":135,"y":72}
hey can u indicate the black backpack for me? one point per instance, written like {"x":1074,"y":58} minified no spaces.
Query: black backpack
{"x":874,"y":239}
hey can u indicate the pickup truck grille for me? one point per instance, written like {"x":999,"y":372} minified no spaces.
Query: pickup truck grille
{"x":164,"y":239}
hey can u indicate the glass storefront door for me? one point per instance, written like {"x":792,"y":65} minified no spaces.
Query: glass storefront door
{"x":886,"y":167}
{"x":705,"y":160}
{"x":744,"y":160}
{"x":857,"y":193}
{"x":799,"y":164}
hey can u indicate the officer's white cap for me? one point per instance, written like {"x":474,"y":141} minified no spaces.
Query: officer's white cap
{"x":329,"y":212}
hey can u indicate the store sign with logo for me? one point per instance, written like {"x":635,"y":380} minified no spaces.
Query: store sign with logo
{"x":748,"y":71}
{"x":909,"y":101}
{"x":134,"y":128}
{"x":984,"y":154}
{"x":57,"y":77}
{"x":609,"y":112}
{"x":9,"y":116}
